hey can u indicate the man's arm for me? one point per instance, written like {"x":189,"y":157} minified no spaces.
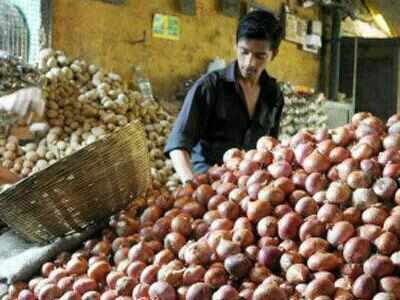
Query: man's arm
{"x":182,"y":163}
{"x":188,"y":128}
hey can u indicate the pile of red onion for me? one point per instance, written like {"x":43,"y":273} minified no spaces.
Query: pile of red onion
{"x":317,"y":217}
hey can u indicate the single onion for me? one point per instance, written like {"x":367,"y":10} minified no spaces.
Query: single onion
{"x":315,"y":182}
{"x":385,"y":187}
{"x":316,"y":162}
{"x":325,"y":147}
{"x":280,"y":169}
{"x":339,"y":154}
{"x":266,"y":143}
{"x":301,"y":151}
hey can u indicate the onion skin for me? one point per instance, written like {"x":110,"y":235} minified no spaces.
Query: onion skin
{"x":338,"y":193}
{"x":374,"y":215}
{"x":329,"y":213}
{"x":225,"y":292}
{"x":385,"y":188}
{"x":313,"y":245}
{"x":371,"y":167}
{"x":162,"y":291}
{"x":269,"y":257}
{"x":352,"y":215}
{"x":199,"y":291}
{"x":297,"y":273}
{"x":391,"y":170}
{"x":216,"y":277}
{"x":237,"y":265}
{"x":269,"y":291}
{"x":364,"y":287}
{"x":319,"y":287}
{"x":369,"y":232}
{"x":306,"y":206}
{"x":356,"y":250}
{"x":267,"y":226}
{"x":321,"y":261}
{"x":316,"y":162}
{"x":258,"y":209}
{"x":392,"y":224}
{"x":312,"y":227}
{"x":272,"y":195}
{"x":315,"y":182}
{"x":363,"y":198}
{"x":289,"y":225}
{"x":290,"y":258}
{"x":387,"y":243}
{"x":378,"y":266}
{"x":351,"y":271}
{"x":340,"y":233}
{"x":391,"y":284}
{"x":266,"y":143}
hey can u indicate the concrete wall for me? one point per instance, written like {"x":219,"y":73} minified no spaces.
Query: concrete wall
{"x":101,"y":33}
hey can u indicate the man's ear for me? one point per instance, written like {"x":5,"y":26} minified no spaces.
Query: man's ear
{"x":274,"y":53}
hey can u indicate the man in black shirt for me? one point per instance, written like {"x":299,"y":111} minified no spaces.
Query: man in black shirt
{"x":233,"y":107}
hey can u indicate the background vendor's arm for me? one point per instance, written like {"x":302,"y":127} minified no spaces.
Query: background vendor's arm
{"x":7,"y":177}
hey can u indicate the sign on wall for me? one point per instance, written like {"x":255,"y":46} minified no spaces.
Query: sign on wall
{"x":166,"y":27}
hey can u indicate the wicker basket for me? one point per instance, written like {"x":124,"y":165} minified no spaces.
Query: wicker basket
{"x":85,"y":187}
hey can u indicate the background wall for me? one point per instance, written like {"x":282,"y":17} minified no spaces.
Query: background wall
{"x":31,"y":11}
{"x":101,"y":33}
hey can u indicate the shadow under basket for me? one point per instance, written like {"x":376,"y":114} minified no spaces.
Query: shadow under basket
{"x":86,"y":187}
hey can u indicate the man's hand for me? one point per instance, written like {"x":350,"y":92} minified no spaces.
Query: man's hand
{"x":182,"y":164}
{"x":23,"y":102}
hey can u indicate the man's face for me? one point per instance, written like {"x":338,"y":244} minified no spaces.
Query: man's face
{"x":252,"y":56}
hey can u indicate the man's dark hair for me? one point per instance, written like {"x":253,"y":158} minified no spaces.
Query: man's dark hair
{"x":260,"y":25}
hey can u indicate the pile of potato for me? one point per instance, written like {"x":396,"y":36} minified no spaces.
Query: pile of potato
{"x":14,"y":74}
{"x":84,"y":104}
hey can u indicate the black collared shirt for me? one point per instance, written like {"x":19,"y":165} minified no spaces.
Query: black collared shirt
{"x":214,"y":117}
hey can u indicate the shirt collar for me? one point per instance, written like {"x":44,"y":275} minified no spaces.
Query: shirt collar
{"x":230,"y":74}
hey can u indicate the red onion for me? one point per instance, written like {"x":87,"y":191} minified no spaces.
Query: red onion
{"x":316,"y":162}
{"x":269,"y":257}
{"x":266,"y":143}
{"x":280,"y":169}
{"x":162,"y":291}
{"x":302,"y":151}
{"x":392,"y":141}
{"x":315,"y":182}
{"x":282,"y":153}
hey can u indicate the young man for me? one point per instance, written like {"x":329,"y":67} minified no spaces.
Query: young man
{"x":233,"y":107}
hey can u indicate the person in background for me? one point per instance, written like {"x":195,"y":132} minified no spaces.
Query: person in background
{"x":22,"y":103}
{"x":233,"y":107}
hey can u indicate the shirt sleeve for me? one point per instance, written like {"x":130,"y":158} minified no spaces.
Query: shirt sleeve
{"x":278,"y":114}
{"x":192,"y":119}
